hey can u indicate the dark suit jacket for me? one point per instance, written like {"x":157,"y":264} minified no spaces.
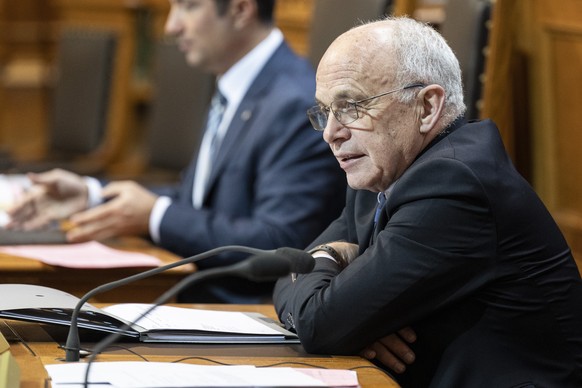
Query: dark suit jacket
{"x":465,"y":253}
{"x":275,"y":182}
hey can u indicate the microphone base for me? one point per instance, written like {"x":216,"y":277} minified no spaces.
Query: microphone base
{"x":72,"y":355}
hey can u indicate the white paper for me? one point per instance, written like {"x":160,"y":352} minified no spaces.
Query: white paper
{"x":159,"y":374}
{"x":179,"y":318}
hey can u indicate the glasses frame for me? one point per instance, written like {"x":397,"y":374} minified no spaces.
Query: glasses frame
{"x":317,"y":112}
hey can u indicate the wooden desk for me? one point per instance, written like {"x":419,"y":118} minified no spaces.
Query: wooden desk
{"x":15,"y":269}
{"x":33,"y":347}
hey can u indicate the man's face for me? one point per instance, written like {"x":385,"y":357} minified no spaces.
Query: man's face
{"x":203,"y":35}
{"x":375,"y":149}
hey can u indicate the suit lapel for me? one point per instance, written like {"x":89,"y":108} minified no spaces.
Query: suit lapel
{"x":235,"y":134}
{"x":247,"y":109}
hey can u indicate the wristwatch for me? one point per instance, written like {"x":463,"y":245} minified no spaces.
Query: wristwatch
{"x":335,"y":255}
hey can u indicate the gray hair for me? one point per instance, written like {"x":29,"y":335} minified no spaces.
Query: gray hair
{"x":422,"y":55}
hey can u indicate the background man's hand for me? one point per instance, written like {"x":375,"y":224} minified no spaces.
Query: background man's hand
{"x":54,"y":195}
{"x":126,"y":212}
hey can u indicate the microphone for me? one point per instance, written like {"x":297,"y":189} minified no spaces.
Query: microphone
{"x":301,"y":261}
{"x":259,"y":268}
{"x":298,"y":261}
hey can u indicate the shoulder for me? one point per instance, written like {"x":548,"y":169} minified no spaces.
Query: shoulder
{"x":289,"y":74}
{"x":470,"y":162}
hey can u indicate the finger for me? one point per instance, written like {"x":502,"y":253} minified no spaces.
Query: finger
{"x":387,"y":358}
{"x":34,"y":177}
{"x":44,"y":178}
{"x":112,"y":190}
{"x":86,"y":225}
{"x":368,"y":353}
{"x":407,"y":334}
{"x":97,"y":230}
{"x":25,"y":216}
{"x":399,"y":348}
{"x":84,"y":234}
{"x":107,"y":210}
{"x":37,"y":222}
{"x":20,"y":212}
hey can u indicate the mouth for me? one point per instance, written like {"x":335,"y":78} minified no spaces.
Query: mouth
{"x":183,"y":45}
{"x":347,"y":160}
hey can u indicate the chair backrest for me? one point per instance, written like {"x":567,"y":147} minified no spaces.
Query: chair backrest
{"x":84,"y":69}
{"x":333,"y":17}
{"x":465,"y":29}
{"x":181,"y":97}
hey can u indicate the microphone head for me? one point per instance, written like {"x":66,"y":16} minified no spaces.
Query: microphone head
{"x":265,"y":268}
{"x":300,"y":261}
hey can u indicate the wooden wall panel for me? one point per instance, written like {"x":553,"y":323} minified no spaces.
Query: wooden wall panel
{"x":533,"y":78}
{"x":561,"y":180}
{"x":293,"y":17}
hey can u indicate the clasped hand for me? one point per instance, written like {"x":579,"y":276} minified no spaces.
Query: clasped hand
{"x":57,"y":195}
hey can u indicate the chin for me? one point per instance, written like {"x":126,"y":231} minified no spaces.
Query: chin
{"x":357,"y":184}
{"x":193,"y":59}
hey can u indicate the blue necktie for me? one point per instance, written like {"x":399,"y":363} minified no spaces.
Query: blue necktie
{"x":381,"y":203}
{"x":379,"y":207}
{"x":209,"y":147}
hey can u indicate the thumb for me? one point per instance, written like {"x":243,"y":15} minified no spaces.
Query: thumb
{"x":44,"y":178}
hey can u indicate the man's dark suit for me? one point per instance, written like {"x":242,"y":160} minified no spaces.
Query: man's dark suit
{"x":274,"y":183}
{"x":468,"y":256}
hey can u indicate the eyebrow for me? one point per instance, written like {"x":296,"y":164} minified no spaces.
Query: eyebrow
{"x":344,"y":95}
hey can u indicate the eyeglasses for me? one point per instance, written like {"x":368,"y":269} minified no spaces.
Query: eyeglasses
{"x":344,"y":111}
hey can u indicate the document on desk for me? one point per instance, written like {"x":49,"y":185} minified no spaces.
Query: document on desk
{"x":164,"y":324}
{"x":89,"y":255}
{"x":158,"y":374}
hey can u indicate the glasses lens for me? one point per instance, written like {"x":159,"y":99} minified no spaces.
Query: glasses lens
{"x":344,"y":111}
{"x":318,"y":117}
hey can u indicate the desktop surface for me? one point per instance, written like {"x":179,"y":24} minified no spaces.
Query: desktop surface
{"x":34,"y":345}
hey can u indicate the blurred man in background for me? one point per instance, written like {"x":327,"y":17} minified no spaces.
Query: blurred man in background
{"x":262,"y":177}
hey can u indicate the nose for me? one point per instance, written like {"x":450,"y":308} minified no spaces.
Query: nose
{"x":172,"y":26}
{"x":334,"y":130}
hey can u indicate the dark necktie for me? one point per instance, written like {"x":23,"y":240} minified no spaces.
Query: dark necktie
{"x":379,"y":207}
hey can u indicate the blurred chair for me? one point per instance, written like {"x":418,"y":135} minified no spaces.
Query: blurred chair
{"x":333,"y":17}
{"x":181,"y":95}
{"x":466,"y":30}
{"x":80,"y":100}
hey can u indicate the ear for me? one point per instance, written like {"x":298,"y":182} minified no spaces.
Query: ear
{"x":432,"y":99}
{"x":242,"y":12}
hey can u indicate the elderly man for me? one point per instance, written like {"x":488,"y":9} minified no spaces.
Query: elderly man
{"x":459,"y":247}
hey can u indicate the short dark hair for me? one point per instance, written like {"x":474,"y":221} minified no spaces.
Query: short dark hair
{"x":265,"y":8}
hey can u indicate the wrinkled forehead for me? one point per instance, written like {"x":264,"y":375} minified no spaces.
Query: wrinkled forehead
{"x":358,"y":62}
